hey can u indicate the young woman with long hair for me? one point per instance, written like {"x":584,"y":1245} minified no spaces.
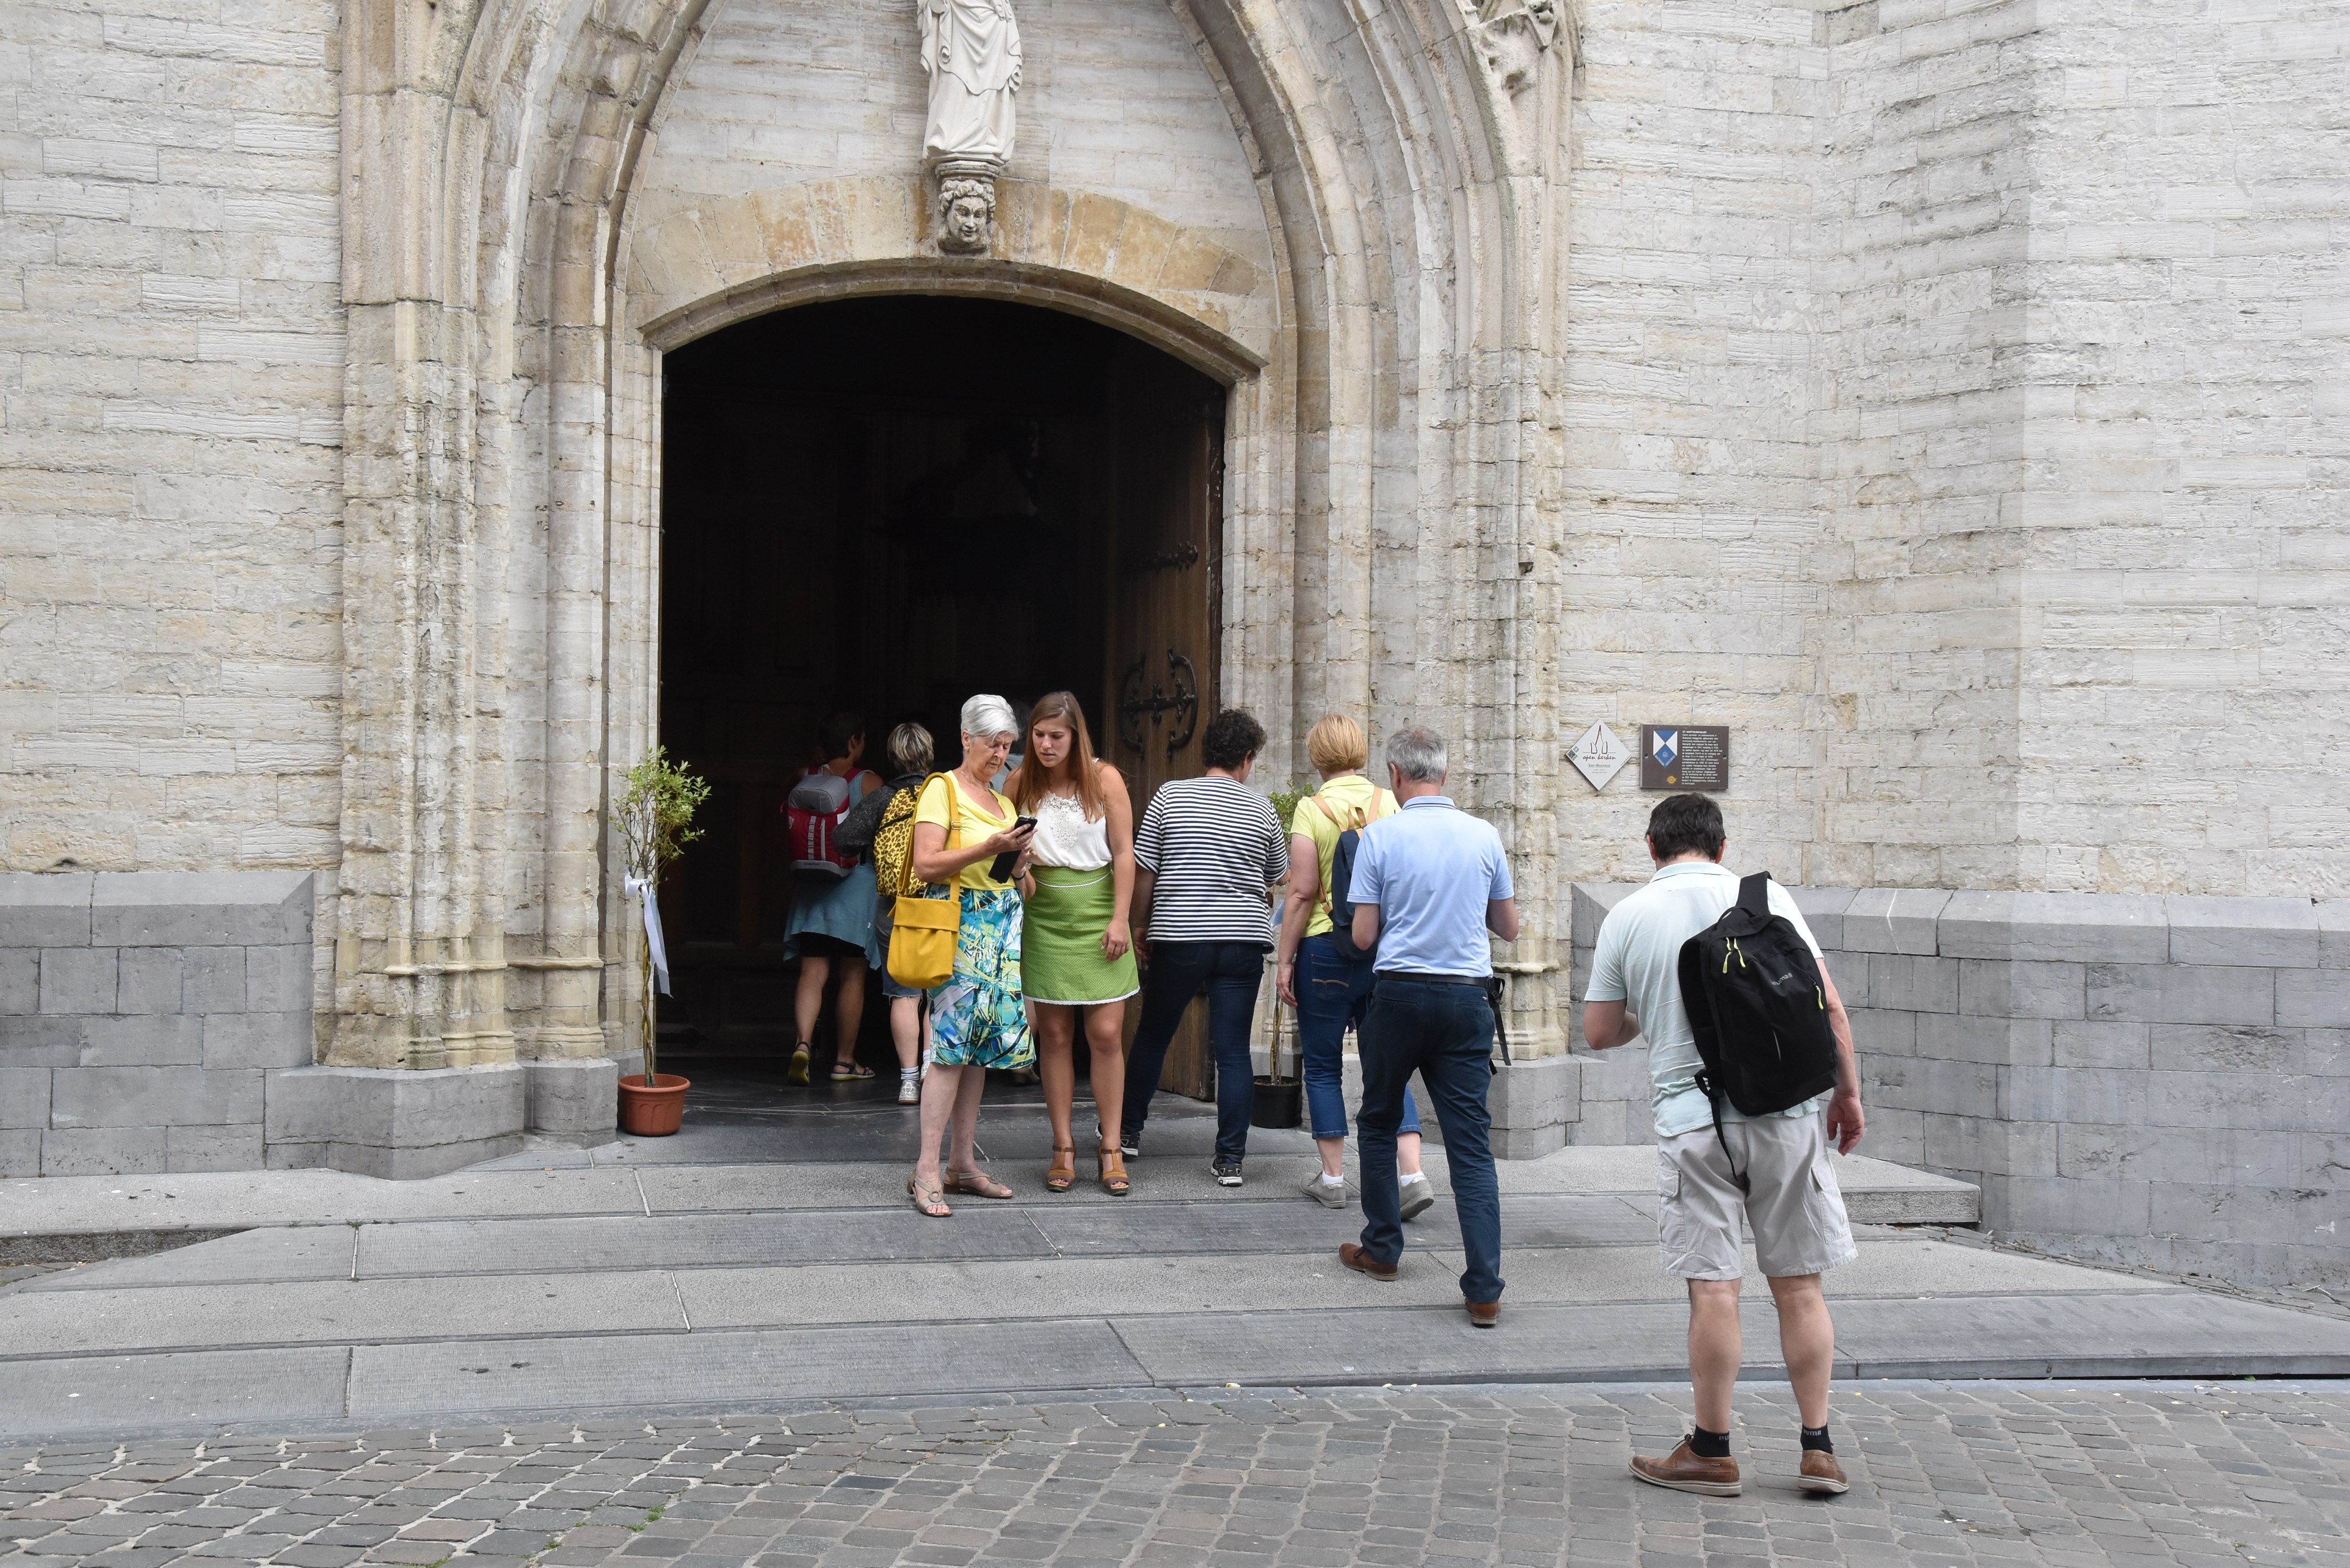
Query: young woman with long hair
{"x":1077,"y":949}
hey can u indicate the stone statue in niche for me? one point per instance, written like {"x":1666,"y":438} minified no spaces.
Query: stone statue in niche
{"x":970,"y":52}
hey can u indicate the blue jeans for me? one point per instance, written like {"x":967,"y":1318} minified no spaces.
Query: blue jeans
{"x":1444,"y":1033}
{"x":1230,"y":972}
{"x":1330,"y":991}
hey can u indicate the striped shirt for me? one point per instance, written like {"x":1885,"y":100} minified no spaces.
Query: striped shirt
{"x":1214,"y":847}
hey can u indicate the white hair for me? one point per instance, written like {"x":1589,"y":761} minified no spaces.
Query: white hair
{"x":987,"y":716}
{"x":1418,"y":754}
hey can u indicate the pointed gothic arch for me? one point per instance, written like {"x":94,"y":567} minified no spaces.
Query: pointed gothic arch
{"x":507,"y":319}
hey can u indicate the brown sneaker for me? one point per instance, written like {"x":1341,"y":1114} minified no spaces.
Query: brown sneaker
{"x":1484,"y":1314}
{"x":1683,"y":1471}
{"x":1821,"y":1473}
{"x":1362,"y":1263}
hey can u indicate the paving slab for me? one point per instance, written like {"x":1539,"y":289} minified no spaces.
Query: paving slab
{"x":735,"y":1369}
{"x":2124,"y":1334}
{"x":114,"y":1394}
{"x":39,"y":1325}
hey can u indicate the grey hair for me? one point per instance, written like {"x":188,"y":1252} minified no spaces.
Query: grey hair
{"x":1417,"y":754}
{"x":988,"y":716}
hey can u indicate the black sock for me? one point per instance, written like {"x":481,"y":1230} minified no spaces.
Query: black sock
{"x":1816,"y":1438}
{"x":1708,"y":1445}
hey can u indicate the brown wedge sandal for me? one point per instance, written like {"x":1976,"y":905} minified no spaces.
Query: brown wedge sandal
{"x":976,"y":1184}
{"x":1114,"y":1180}
{"x":1062,"y":1174}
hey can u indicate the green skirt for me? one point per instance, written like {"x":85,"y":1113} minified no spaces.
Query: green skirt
{"x":1061,"y":956}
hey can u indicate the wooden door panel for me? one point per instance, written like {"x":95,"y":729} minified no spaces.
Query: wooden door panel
{"x":1167,"y":534}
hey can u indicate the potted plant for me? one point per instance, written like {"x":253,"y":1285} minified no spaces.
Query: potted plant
{"x":655,"y":818}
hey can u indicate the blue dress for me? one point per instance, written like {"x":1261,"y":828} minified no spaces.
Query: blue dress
{"x":840,"y":908}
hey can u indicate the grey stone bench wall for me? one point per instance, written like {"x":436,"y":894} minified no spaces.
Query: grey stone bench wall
{"x":141,"y":1013}
{"x":2154,"y":1081}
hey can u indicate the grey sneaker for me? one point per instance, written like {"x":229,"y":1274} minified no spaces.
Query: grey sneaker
{"x":1227,"y":1172}
{"x":910,"y":1090}
{"x":1418,"y":1197}
{"x":1329,"y":1194}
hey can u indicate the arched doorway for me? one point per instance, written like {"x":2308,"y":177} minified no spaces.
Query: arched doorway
{"x":881,"y":505}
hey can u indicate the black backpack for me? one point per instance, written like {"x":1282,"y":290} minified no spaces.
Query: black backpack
{"x":1334,"y":898}
{"x":1757,"y":1009}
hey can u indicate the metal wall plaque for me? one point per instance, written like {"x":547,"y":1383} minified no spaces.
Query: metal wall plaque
{"x":1685,"y":757}
{"x":1598,"y":755}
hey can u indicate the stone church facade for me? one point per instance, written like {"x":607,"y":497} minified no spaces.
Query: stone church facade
{"x":1948,"y":397}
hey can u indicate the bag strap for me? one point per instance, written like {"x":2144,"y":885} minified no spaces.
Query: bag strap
{"x":954,"y":824}
{"x":1754,"y":895}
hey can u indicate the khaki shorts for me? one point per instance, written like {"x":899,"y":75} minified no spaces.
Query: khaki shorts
{"x":1793,"y":1204}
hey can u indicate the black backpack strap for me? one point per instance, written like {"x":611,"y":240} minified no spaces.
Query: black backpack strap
{"x":1754,"y":895}
{"x":1497,"y":997}
{"x":1713,"y":1098}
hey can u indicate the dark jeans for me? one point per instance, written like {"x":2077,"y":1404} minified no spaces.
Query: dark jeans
{"x":1330,"y":991}
{"x":1230,"y":972}
{"x":1445,"y":1033}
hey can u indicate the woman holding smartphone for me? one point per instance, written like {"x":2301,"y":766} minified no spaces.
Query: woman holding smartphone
{"x":1077,"y":950}
{"x":966,"y":838}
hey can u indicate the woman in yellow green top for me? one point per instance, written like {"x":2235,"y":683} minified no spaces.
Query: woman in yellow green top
{"x":978,"y":1017}
{"x":1328,"y":988}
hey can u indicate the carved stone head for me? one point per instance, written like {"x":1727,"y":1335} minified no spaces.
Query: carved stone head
{"x":966,"y":214}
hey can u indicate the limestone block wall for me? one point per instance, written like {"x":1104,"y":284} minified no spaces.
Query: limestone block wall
{"x":2153,"y":1081}
{"x":144,"y":1015}
{"x":170,"y":433}
{"x":1953,"y":406}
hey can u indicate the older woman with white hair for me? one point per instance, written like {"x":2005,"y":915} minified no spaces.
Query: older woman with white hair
{"x":978,"y":1019}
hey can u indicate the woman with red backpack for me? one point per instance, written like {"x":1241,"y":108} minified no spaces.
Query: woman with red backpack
{"x":1318,"y":970}
{"x":830,"y":929}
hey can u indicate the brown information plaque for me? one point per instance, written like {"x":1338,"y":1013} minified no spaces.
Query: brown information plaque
{"x":1685,"y":756}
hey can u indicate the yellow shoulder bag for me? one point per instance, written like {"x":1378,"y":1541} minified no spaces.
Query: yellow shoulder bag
{"x":923,"y":929}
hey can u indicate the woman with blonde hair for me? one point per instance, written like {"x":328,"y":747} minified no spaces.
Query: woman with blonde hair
{"x":978,"y":1017}
{"x":1328,"y":986}
{"x":1076,"y":949}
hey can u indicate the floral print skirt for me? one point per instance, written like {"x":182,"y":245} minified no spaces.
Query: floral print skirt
{"x":979,"y":1019}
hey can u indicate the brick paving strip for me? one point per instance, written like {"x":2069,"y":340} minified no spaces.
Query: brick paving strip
{"x":2057,"y":1473}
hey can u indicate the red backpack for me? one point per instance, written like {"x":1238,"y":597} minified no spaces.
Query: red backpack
{"x":815,"y":809}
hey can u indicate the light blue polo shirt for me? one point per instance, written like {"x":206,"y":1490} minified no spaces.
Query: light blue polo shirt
{"x":1431,"y":869}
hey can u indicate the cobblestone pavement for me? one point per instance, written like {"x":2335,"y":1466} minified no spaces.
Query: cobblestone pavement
{"x":1951,"y":1472}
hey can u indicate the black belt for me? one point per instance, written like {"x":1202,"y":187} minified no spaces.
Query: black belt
{"x":1479,"y":981}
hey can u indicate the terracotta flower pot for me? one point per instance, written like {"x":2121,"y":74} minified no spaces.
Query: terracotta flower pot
{"x":652,"y":1112}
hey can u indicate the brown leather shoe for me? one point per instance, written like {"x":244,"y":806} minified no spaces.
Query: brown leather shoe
{"x":1484,"y":1314}
{"x":1683,"y":1471}
{"x":1362,"y":1263}
{"x":1821,"y":1473}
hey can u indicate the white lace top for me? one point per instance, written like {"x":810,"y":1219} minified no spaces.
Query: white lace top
{"x":1064,"y":839}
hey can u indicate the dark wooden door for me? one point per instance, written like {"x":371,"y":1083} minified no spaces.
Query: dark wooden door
{"x":1165,"y":557}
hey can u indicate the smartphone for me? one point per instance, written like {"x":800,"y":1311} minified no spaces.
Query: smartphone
{"x":1002,"y":869}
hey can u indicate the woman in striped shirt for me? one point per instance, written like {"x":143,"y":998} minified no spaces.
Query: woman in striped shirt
{"x":1208,"y":852}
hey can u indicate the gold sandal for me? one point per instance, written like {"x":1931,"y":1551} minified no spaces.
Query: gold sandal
{"x":1114,"y":1180}
{"x":976,"y":1184}
{"x":1063,"y":1173}
{"x":930,"y":1200}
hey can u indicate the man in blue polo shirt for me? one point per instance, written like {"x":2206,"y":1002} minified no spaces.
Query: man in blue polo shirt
{"x":1429,"y":881}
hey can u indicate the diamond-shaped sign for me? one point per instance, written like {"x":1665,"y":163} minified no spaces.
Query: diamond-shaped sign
{"x":1598,"y":755}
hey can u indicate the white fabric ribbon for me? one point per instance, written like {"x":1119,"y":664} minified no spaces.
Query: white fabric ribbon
{"x":642,"y":888}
